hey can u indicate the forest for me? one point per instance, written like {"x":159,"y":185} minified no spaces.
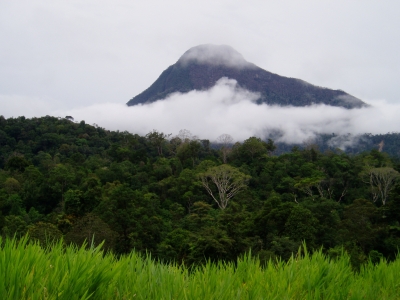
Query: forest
{"x":190,"y":201}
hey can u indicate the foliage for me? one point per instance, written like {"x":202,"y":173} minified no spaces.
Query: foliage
{"x":190,"y":201}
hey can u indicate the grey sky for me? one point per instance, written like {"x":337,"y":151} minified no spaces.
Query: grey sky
{"x":69,"y":55}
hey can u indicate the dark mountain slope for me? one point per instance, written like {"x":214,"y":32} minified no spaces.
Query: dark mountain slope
{"x":202,"y":66}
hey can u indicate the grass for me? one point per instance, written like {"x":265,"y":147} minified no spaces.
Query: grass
{"x":28,"y":271}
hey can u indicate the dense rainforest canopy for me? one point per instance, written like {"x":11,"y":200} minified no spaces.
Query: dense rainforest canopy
{"x":187,"y":200}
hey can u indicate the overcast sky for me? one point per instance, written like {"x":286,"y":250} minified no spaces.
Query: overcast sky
{"x":60,"y":57}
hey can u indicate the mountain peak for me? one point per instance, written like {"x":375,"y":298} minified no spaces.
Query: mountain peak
{"x":215,"y":55}
{"x":200,"y":67}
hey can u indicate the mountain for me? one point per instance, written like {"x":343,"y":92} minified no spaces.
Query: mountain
{"x":201,"y":67}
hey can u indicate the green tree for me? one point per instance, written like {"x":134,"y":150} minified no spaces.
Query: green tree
{"x":73,"y":202}
{"x":31,"y":187}
{"x":11,"y":185}
{"x":44,"y":233}
{"x":158,"y":140}
{"x":306,"y":185}
{"x":175,"y":246}
{"x":255,"y":147}
{"x":210,"y":243}
{"x":60,"y":178}
{"x":359,"y":225}
{"x":301,"y":225}
{"x":188,"y":150}
{"x":92,"y":229}
{"x":118,"y":209}
{"x":14,"y":225}
{"x":16,"y":163}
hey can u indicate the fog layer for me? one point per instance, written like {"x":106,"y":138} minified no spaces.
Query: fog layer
{"x":225,"y":108}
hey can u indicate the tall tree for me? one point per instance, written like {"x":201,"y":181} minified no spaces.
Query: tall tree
{"x":228,"y":181}
{"x":157,"y":139}
{"x":382,"y":181}
{"x":225,"y":141}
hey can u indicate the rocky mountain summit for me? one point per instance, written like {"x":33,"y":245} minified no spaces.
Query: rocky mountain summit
{"x":201,"y":67}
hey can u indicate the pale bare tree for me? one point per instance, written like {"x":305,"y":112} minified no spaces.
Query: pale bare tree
{"x":186,"y":136}
{"x":381,"y":145}
{"x":344,"y":192}
{"x":225,"y":141}
{"x":228,"y":181}
{"x":382,"y":181}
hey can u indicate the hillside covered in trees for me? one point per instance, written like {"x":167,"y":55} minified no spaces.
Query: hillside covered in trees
{"x":187,"y":200}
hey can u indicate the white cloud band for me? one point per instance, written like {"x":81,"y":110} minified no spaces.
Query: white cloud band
{"x":225,"y":108}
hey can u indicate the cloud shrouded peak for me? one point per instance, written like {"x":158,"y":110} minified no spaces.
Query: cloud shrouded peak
{"x":200,"y":68}
{"x":216,"y":55}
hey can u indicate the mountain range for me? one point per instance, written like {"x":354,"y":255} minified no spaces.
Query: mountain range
{"x":202,"y":66}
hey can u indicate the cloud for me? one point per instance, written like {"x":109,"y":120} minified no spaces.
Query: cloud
{"x":345,"y":141}
{"x":227,"y":108}
{"x":348,"y":101}
{"x":215,"y":55}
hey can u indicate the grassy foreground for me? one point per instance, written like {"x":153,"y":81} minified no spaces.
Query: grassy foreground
{"x":29,"y":272}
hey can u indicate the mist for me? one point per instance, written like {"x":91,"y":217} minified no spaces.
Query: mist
{"x":226,"y":108}
{"x":215,"y":55}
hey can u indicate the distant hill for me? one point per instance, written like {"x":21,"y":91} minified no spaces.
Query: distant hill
{"x":388,"y":143}
{"x":201,"y":67}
